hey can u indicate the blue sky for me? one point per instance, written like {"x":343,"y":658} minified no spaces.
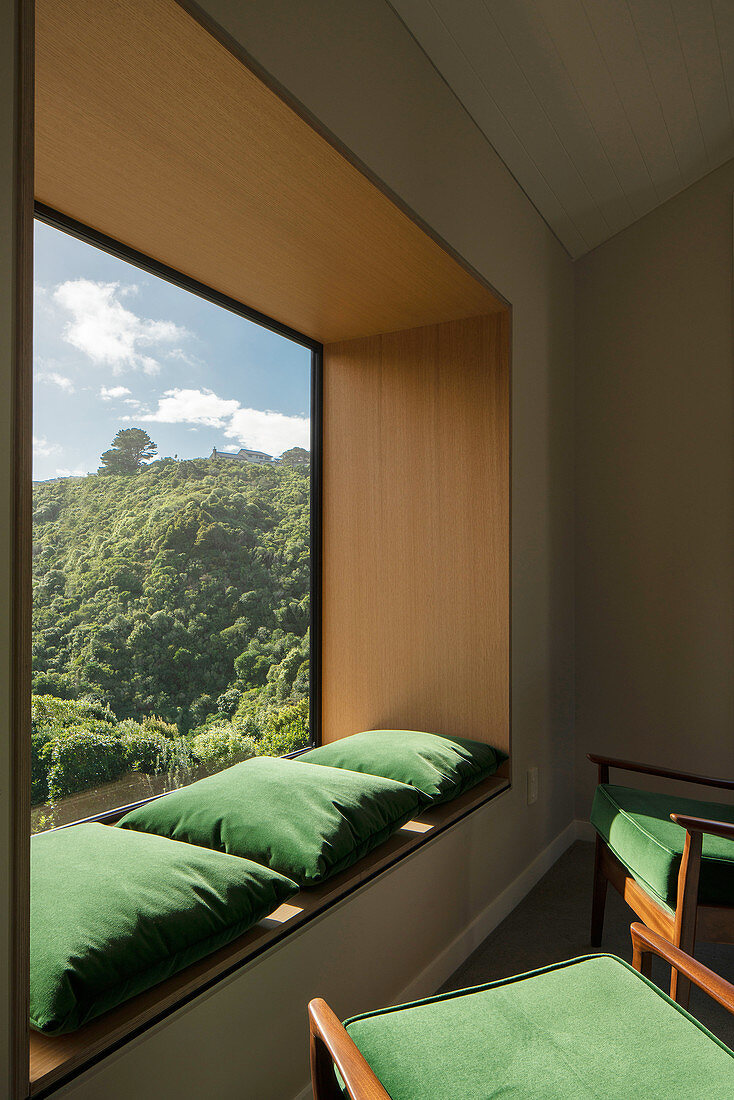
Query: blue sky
{"x":115,"y":347}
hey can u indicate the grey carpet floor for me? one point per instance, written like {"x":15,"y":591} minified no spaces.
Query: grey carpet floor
{"x":552,"y":924}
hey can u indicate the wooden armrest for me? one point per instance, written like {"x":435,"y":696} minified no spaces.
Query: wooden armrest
{"x":645,"y":941}
{"x":331,"y":1045}
{"x":604,"y":763}
{"x":724,"y":829}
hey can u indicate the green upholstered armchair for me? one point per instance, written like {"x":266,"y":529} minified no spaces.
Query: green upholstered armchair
{"x":671,"y":858}
{"x":590,"y":1027}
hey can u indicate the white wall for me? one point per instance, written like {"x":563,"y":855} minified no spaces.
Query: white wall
{"x":353,"y":64}
{"x":655,"y":490}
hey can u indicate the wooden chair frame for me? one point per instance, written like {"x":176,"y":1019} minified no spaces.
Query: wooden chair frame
{"x":691,"y":920}
{"x":646,"y":943}
{"x":331,"y":1045}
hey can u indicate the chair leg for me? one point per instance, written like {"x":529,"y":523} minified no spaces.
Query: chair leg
{"x":599,"y":897}
{"x":686,"y":911}
{"x":680,"y":986}
{"x":323,"y":1080}
{"x":646,"y":965}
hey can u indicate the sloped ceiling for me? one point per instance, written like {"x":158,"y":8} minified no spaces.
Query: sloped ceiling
{"x":601,"y":109}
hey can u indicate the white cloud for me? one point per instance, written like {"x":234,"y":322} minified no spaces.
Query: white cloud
{"x":113,"y":391}
{"x":109,"y":333}
{"x":42,"y":448}
{"x":184,"y":357}
{"x":272,"y":432}
{"x":59,"y":380}
{"x":193,"y":407}
{"x":259,"y":429}
{"x":63,"y":472}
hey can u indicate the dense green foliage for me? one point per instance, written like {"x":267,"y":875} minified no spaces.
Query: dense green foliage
{"x":171,"y":613}
{"x":295,"y":456}
{"x":78,"y":744}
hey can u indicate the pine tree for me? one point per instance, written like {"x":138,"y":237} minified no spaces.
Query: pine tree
{"x":131,"y":448}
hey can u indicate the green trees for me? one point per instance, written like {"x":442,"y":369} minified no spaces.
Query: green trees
{"x":78,"y":744}
{"x":131,"y":448}
{"x":295,"y":456}
{"x":178,"y":600}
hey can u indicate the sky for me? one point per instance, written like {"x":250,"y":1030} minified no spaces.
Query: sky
{"x":116,"y":347}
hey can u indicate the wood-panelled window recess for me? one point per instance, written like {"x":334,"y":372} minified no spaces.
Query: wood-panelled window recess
{"x":176,"y":498}
{"x":186,"y":155}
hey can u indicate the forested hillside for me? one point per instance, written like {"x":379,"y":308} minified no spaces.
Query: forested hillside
{"x":176,"y":598}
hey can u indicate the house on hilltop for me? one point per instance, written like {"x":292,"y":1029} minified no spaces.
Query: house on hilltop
{"x":243,"y":455}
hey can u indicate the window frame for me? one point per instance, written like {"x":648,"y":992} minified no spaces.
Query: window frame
{"x":93,"y":237}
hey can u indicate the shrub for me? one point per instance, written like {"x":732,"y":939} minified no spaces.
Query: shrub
{"x":291,"y":719}
{"x":78,"y":744}
{"x":159,"y":725}
{"x":39,"y":768}
{"x":286,"y":729}
{"x":221,"y":746}
{"x":228,"y":701}
{"x":255,"y":730}
{"x":281,"y":742}
{"x":82,"y":759}
{"x":53,"y":719}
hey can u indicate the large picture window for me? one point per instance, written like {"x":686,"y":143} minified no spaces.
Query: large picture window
{"x":174,"y":497}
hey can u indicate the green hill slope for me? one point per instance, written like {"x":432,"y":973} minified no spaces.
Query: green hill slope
{"x":158,"y":591}
{"x":180,"y":592}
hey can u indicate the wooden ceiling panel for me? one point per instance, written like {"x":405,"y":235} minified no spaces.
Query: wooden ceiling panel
{"x":149,"y":130}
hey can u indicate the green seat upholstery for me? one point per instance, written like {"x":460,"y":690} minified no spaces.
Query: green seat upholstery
{"x":306,"y":823}
{"x":588,"y":1029}
{"x":440,"y":767}
{"x":114,"y":913}
{"x":637,"y":827}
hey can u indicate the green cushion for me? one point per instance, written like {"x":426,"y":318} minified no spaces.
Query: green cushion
{"x":439,"y":767}
{"x":308,"y":823}
{"x":637,"y":827}
{"x":587,"y":1029}
{"x":113,"y":913}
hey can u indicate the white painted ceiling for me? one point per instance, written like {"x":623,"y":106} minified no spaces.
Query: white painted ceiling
{"x":601,"y":109}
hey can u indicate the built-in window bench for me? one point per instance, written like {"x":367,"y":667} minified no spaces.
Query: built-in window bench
{"x":55,"y":1058}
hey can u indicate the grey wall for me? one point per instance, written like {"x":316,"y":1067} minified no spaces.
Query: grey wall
{"x":655,"y":490}
{"x":358,"y":70}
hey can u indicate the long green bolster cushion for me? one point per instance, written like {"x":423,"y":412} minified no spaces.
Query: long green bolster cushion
{"x":113,"y":913}
{"x":637,"y":827}
{"x":308,"y":823}
{"x":581,"y":1030}
{"x":440,"y":767}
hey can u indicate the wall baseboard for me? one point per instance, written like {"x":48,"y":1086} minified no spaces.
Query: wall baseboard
{"x":450,"y":959}
{"x":585,"y":830}
{"x":444,"y":964}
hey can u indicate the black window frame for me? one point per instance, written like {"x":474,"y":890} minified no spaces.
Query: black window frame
{"x":49,"y":216}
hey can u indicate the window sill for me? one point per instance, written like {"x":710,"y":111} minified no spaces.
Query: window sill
{"x":56,"y":1059}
